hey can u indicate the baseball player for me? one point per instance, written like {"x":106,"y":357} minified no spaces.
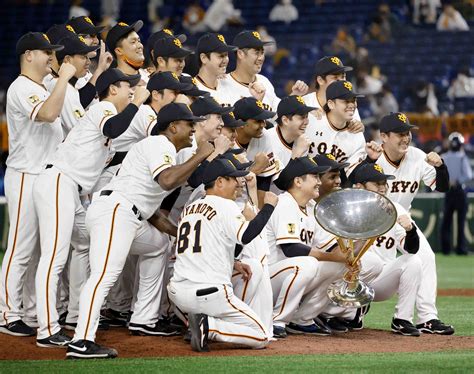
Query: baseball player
{"x":213,"y":58}
{"x":32,"y":114}
{"x":117,"y":222}
{"x":410,"y":166}
{"x":125,"y":45}
{"x":169,"y":55}
{"x":201,"y":285}
{"x":69,"y":174}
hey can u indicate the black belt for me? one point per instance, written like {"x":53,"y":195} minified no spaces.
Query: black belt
{"x":134,"y":208}
{"x":49,"y":166}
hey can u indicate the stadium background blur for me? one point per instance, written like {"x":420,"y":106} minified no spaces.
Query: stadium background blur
{"x":401,"y":60}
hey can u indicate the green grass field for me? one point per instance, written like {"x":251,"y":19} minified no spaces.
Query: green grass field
{"x":453,"y":272}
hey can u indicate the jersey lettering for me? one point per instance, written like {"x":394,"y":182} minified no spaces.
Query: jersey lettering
{"x":404,"y":186}
{"x":183,"y":237}
{"x":389,"y":242}
{"x":306,"y":236}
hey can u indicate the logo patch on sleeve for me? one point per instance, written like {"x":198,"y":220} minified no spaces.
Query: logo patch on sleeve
{"x":168,"y":159}
{"x":291,"y":227}
{"x":78,"y":114}
{"x":34,"y":99}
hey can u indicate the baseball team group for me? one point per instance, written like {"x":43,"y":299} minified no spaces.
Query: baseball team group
{"x":143,"y":198}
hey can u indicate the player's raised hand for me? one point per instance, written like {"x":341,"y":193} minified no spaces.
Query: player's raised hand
{"x":300,"y":88}
{"x":301,"y":146}
{"x":261,"y":162}
{"x":270,"y":198}
{"x":257,"y":90}
{"x":221,"y":144}
{"x":405,"y":222}
{"x":204,"y":149}
{"x":434,"y":159}
{"x":67,"y":70}
{"x":318,"y":113}
{"x":105,"y":58}
{"x":355,"y":126}
{"x":140,"y":95}
{"x":373,"y":150}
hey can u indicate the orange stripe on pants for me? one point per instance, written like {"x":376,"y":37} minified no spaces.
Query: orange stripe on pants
{"x":289,"y":287}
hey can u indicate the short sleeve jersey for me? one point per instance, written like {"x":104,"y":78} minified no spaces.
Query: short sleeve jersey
{"x":222,"y":93}
{"x":207,"y":234}
{"x":31,"y":142}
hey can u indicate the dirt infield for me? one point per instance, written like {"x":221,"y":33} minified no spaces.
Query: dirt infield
{"x":365,"y":341}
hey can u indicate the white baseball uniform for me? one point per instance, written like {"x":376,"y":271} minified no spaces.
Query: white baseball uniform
{"x":222,"y":93}
{"x":73,"y":170}
{"x":31,"y":143}
{"x":408,"y":175}
{"x":207,"y":234}
{"x":117,"y":223}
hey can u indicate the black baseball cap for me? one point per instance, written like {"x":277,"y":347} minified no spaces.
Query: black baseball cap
{"x":329,"y":160}
{"x":173,"y":112}
{"x":251,"y":108}
{"x":232,"y":122}
{"x":166,"y":80}
{"x":164,"y":33}
{"x":293,"y":105}
{"x":212,"y":42}
{"x":330,"y":65}
{"x":341,"y":90}
{"x":208,"y":105}
{"x":231,"y":155}
{"x":249,"y":39}
{"x":57,"y":32}
{"x":369,"y":172}
{"x":119,"y":31}
{"x":84,"y":25}
{"x":170,"y":47}
{"x":113,"y":75}
{"x":74,"y":45}
{"x":296,"y":168}
{"x":221,"y":167}
{"x":35,"y":41}
{"x":396,"y":122}
{"x":194,"y":90}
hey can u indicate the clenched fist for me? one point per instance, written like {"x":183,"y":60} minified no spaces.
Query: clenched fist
{"x":270,"y":198}
{"x":405,"y":222}
{"x":434,"y":159}
{"x":67,"y":70}
{"x":300,"y":88}
{"x":261,"y":162}
{"x":257,"y":90}
{"x":140,"y":95}
{"x":301,"y":146}
{"x":373,"y":150}
{"x":204,"y":149}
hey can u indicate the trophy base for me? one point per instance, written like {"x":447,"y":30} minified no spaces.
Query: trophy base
{"x":340,"y":293}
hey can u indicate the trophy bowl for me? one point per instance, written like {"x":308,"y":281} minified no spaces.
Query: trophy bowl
{"x":354,"y":214}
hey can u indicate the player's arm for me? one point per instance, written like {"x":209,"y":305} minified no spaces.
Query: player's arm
{"x":300,"y":249}
{"x":410,"y":235}
{"x":177,"y":175}
{"x":256,"y":225}
{"x":442,"y":174}
{"x":105,"y":60}
{"x":53,"y":105}
{"x":163,"y":224}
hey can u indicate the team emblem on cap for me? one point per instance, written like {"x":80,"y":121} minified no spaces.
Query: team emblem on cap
{"x":259,"y":104}
{"x":34,"y":99}
{"x":232,"y":115}
{"x":167,"y":31}
{"x":256,"y":34}
{"x":221,"y":38}
{"x":348,"y":85}
{"x":88,"y":20}
{"x":330,"y":156}
{"x":291,"y":227}
{"x":82,"y":39}
{"x":175,"y":76}
{"x":70,"y":28}
{"x":231,"y":164}
{"x":378,"y":168}
{"x":300,"y":99}
{"x":402,"y":118}
{"x":194,"y":80}
{"x":177,"y":42}
{"x":46,"y":37}
{"x":122,"y":24}
{"x":336,"y":61}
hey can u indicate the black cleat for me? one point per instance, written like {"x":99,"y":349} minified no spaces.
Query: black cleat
{"x":279,"y":332}
{"x":199,"y":332}
{"x":435,"y":326}
{"x":160,"y":328}
{"x":335,"y":324}
{"x":87,"y":349}
{"x":114,"y":318}
{"x":58,"y":340}
{"x":358,"y":322}
{"x":17,"y":328}
{"x":404,"y":327}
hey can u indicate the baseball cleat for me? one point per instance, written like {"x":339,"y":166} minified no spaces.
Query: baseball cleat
{"x":312,"y":329}
{"x":279,"y":332}
{"x":58,"y":340}
{"x":435,"y":326}
{"x":357,"y":323}
{"x":335,"y":324}
{"x":17,"y":328}
{"x":404,"y":327}
{"x":199,"y":332}
{"x":88,"y":349}
{"x":159,"y":328}
{"x":114,"y":318}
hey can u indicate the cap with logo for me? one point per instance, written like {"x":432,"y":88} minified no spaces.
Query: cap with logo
{"x":173,"y":112}
{"x":395,"y":122}
{"x":298,"y":167}
{"x":341,"y":90}
{"x":113,"y":75}
{"x":164,"y":33}
{"x":330,"y":65}
{"x":368,"y":172}
{"x":194,"y":90}
{"x":83,"y":25}
{"x":170,"y":47}
{"x":212,"y":42}
{"x":231,"y":155}
{"x":166,"y":80}
{"x":119,"y":31}
{"x":203,"y":106}
{"x":56,"y":32}
{"x":329,"y":160}
{"x":74,"y":45}
{"x":251,"y":108}
{"x":232,"y":122}
{"x":35,"y":41}
{"x":221,"y":167}
{"x":249,"y":39}
{"x":293,"y":105}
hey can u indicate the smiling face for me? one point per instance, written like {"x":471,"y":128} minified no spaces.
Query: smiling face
{"x":130,"y":48}
{"x":38,"y":60}
{"x":343,"y":110}
{"x":253,"y":128}
{"x":172,"y":64}
{"x":308,"y":185}
{"x":184,"y":131}
{"x":211,"y":127}
{"x":230,"y":133}
{"x":330,"y":181}
{"x":396,"y":143}
{"x":380,"y":187}
{"x":251,"y":59}
{"x":80,"y":62}
{"x":295,"y":124}
{"x":228,"y":187}
{"x":216,"y":63}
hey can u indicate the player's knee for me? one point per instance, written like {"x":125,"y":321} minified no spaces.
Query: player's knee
{"x":308,"y":268}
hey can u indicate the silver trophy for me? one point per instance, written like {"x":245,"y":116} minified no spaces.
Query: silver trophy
{"x":353,"y":214}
